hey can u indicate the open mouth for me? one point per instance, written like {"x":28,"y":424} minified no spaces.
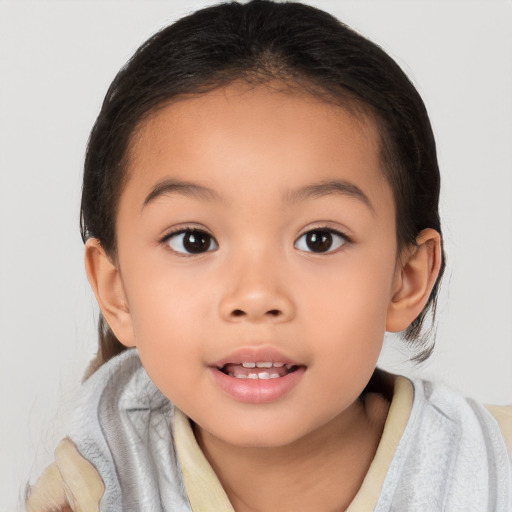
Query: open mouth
{"x":258,"y":370}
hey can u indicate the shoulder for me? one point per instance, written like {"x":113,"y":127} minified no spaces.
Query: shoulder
{"x":503,"y":416}
{"x":70,"y":483}
{"x":492,"y":424}
{"x":450,"y":449}
{"x":469,"y":433}
{"x":116,"y":411}
{"x":123,"y":425}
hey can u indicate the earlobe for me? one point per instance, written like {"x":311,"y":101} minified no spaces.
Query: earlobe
{"x":107,"y":285}
{"x":415,"y":277}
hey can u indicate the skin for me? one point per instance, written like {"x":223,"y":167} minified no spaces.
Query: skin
{"x":261,"y":287}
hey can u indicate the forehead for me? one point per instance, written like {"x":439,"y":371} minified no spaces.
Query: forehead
{"x":257,"y":139}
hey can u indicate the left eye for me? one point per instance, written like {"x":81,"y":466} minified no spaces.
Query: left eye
{"x":191,"y":242}
{"x":320,"y":241}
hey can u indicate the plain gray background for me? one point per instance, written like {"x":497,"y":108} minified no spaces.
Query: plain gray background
{"x":57,"y":59}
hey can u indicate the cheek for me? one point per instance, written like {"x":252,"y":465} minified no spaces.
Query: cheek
{"x":348,"y":332}
{"x":165,"y":307}
{"x":349,"y":311}
{"x":357,"y":291}
{"x":161,"y":294}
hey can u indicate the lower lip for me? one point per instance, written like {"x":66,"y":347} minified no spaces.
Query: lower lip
{"x":257,"y":391}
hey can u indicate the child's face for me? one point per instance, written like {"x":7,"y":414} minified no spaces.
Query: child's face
{"x":257,"y":184}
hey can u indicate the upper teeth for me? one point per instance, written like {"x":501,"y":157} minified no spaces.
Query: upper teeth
{"x":265,"y":364}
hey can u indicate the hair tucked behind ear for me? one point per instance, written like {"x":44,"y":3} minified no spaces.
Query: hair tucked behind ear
{"x":257,"y":42}
{"x":109,"y":346}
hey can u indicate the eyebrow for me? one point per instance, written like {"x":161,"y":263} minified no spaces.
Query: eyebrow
{"x":326,"y":188}
{"x":175,"y":186}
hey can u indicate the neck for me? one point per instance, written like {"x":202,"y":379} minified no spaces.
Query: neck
{"x":321,"y":471}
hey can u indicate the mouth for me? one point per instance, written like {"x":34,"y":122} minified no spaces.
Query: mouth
{"x":257,"y":375}
{"x":262,"y":370}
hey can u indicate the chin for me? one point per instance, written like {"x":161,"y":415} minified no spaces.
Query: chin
{"x":260,"y":436}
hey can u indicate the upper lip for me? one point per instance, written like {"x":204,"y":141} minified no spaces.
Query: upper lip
{"x":254,"y":355}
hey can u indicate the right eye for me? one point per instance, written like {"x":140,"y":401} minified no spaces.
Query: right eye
{"x":321,"y":241}
{"x":191,"y":241}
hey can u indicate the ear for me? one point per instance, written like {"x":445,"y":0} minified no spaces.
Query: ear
{"x":107,"y":285}
{"x":415,"y":276}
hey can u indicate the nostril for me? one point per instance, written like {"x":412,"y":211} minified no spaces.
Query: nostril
{"x":253,"y":315}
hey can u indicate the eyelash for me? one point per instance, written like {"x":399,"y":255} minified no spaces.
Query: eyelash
{"x":342,"y":240}
{"x":183,"y":231}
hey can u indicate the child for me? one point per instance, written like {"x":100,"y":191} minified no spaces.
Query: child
{"x":260,"y":204}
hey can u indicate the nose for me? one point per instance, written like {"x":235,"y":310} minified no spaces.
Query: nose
{"x":257,"y":292}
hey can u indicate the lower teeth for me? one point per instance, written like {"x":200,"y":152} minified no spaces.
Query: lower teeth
{"x":253,"y":374}
{"x":262,"y":376}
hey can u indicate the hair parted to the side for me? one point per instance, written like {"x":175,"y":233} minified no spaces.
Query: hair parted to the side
{"x":258,"y":42}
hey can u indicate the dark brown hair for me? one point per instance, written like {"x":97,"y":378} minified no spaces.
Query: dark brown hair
{"x":261,"y":41}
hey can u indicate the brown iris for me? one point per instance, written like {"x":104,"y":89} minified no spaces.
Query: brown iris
{"x":319,"y":241}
